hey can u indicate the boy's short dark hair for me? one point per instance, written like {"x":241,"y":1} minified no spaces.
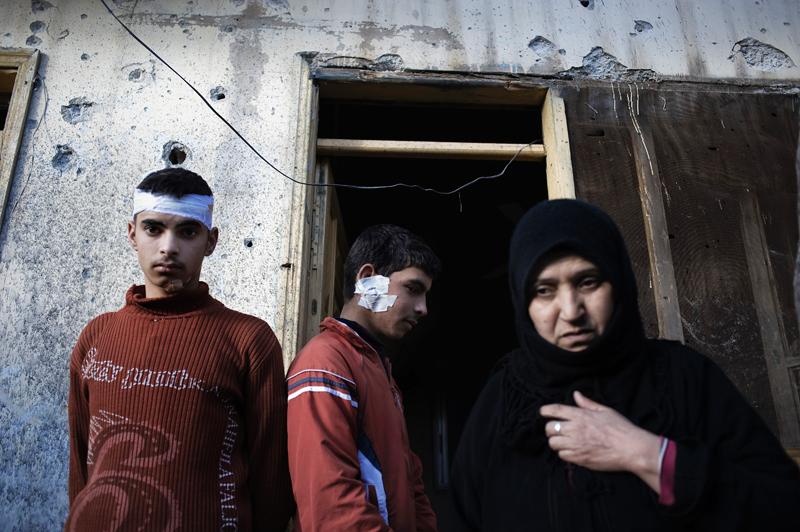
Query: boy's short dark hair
{"x":176,"y":182}
{"x":389,"y":248}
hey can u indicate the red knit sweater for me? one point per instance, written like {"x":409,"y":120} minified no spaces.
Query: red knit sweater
{"x":177,"y":414}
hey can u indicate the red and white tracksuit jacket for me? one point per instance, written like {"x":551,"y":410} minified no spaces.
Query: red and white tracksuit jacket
{"x":349,"y":457}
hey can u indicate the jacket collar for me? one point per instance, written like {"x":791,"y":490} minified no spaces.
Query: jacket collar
{"x":351,"y":336}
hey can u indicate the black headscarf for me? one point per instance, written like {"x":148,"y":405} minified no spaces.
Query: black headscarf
{"x":610,"y":370}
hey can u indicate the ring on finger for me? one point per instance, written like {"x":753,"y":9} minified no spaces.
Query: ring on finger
{"x":557,"y":427}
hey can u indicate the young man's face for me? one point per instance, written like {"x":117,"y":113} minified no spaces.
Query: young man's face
{"x":411,"y":286}
{"x":170,"y":250}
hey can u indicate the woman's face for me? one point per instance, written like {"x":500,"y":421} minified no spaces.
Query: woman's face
{"x":572,"y":302}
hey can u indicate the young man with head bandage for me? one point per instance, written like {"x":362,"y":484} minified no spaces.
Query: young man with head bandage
{"x":177,"y":405}
{"x":349,"y":455}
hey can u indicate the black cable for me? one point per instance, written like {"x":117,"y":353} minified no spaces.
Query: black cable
{"x":278,"y":170}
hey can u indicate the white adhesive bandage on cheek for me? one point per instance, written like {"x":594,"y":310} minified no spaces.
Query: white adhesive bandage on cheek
{"x":194,"y":206}
{"x":374,"y":292}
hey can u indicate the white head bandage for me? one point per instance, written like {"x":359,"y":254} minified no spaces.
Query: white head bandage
{"x":194,"y":206}
{"x":374,"y":293}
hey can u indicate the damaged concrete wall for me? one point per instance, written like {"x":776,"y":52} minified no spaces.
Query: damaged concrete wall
{"x":105,"y":111}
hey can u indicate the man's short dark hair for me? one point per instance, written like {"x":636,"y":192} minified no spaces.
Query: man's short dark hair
{"x":176,"y":182}
{"x":389,"y":248}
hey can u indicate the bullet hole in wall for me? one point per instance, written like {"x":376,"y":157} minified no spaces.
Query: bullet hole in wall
{"x":33,"y":40}
{"x":38,"y":6}
{"x":136,"y":74}
{"x":84,"y":16}
{"x":177,"y":156}
{"x":174,"y":153}
{"x":37,"y":26}
{"x":84,"y":57}
{"x":542,"y":47}
{"x":248,"y":242}
{"x":78,"y":110}
{"x":761,"y":55}
{"x":589,"y":4}
{"x":62,"y":157}
{"x":218,"y":93}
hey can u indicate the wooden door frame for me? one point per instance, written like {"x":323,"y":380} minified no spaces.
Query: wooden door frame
{"x":294,"y":305}
{"x":25,"y":62}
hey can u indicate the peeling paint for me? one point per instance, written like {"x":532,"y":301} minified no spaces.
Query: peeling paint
{"x":383,"y":63}
{"x":227,"y":23}
{"x":78,"y":110}
{"x":599,"y":64}
{"x":371,"y":32}
{"x":761,"y":55}
{"x":388,"y":63}
{"x":278,"y":4}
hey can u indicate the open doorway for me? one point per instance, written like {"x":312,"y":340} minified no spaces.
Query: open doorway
{"x":443,"y":365}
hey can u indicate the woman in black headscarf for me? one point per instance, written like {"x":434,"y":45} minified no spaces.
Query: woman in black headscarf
{"x":589,"y":425}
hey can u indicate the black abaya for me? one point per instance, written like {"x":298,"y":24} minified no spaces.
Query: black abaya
{"x":731,"y":472}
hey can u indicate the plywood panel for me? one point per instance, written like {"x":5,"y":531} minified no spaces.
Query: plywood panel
{"x":723,"y":159}
{"x":724,"y":174}
{"x":605,"y":175}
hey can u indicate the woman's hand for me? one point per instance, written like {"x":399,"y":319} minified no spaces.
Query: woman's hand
{"x":596,"y":437}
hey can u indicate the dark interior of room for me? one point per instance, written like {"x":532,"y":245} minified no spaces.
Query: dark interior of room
{"x":442,"y":366}
{"x":5,"y":101}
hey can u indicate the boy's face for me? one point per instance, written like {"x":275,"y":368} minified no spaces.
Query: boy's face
{"x":170,"y":250}
{"x":411,"y":286}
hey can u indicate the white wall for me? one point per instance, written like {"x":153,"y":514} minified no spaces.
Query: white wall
{"x":63,"y":253}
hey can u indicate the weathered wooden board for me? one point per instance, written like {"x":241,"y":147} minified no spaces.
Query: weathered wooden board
{"x":603,"y":165}
{"x":724,"y":162}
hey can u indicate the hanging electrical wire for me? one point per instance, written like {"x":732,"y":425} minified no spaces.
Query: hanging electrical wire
{"x":278,"y":170}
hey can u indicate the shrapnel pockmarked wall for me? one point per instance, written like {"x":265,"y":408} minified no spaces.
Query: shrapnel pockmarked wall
{"x":105,"y":112}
